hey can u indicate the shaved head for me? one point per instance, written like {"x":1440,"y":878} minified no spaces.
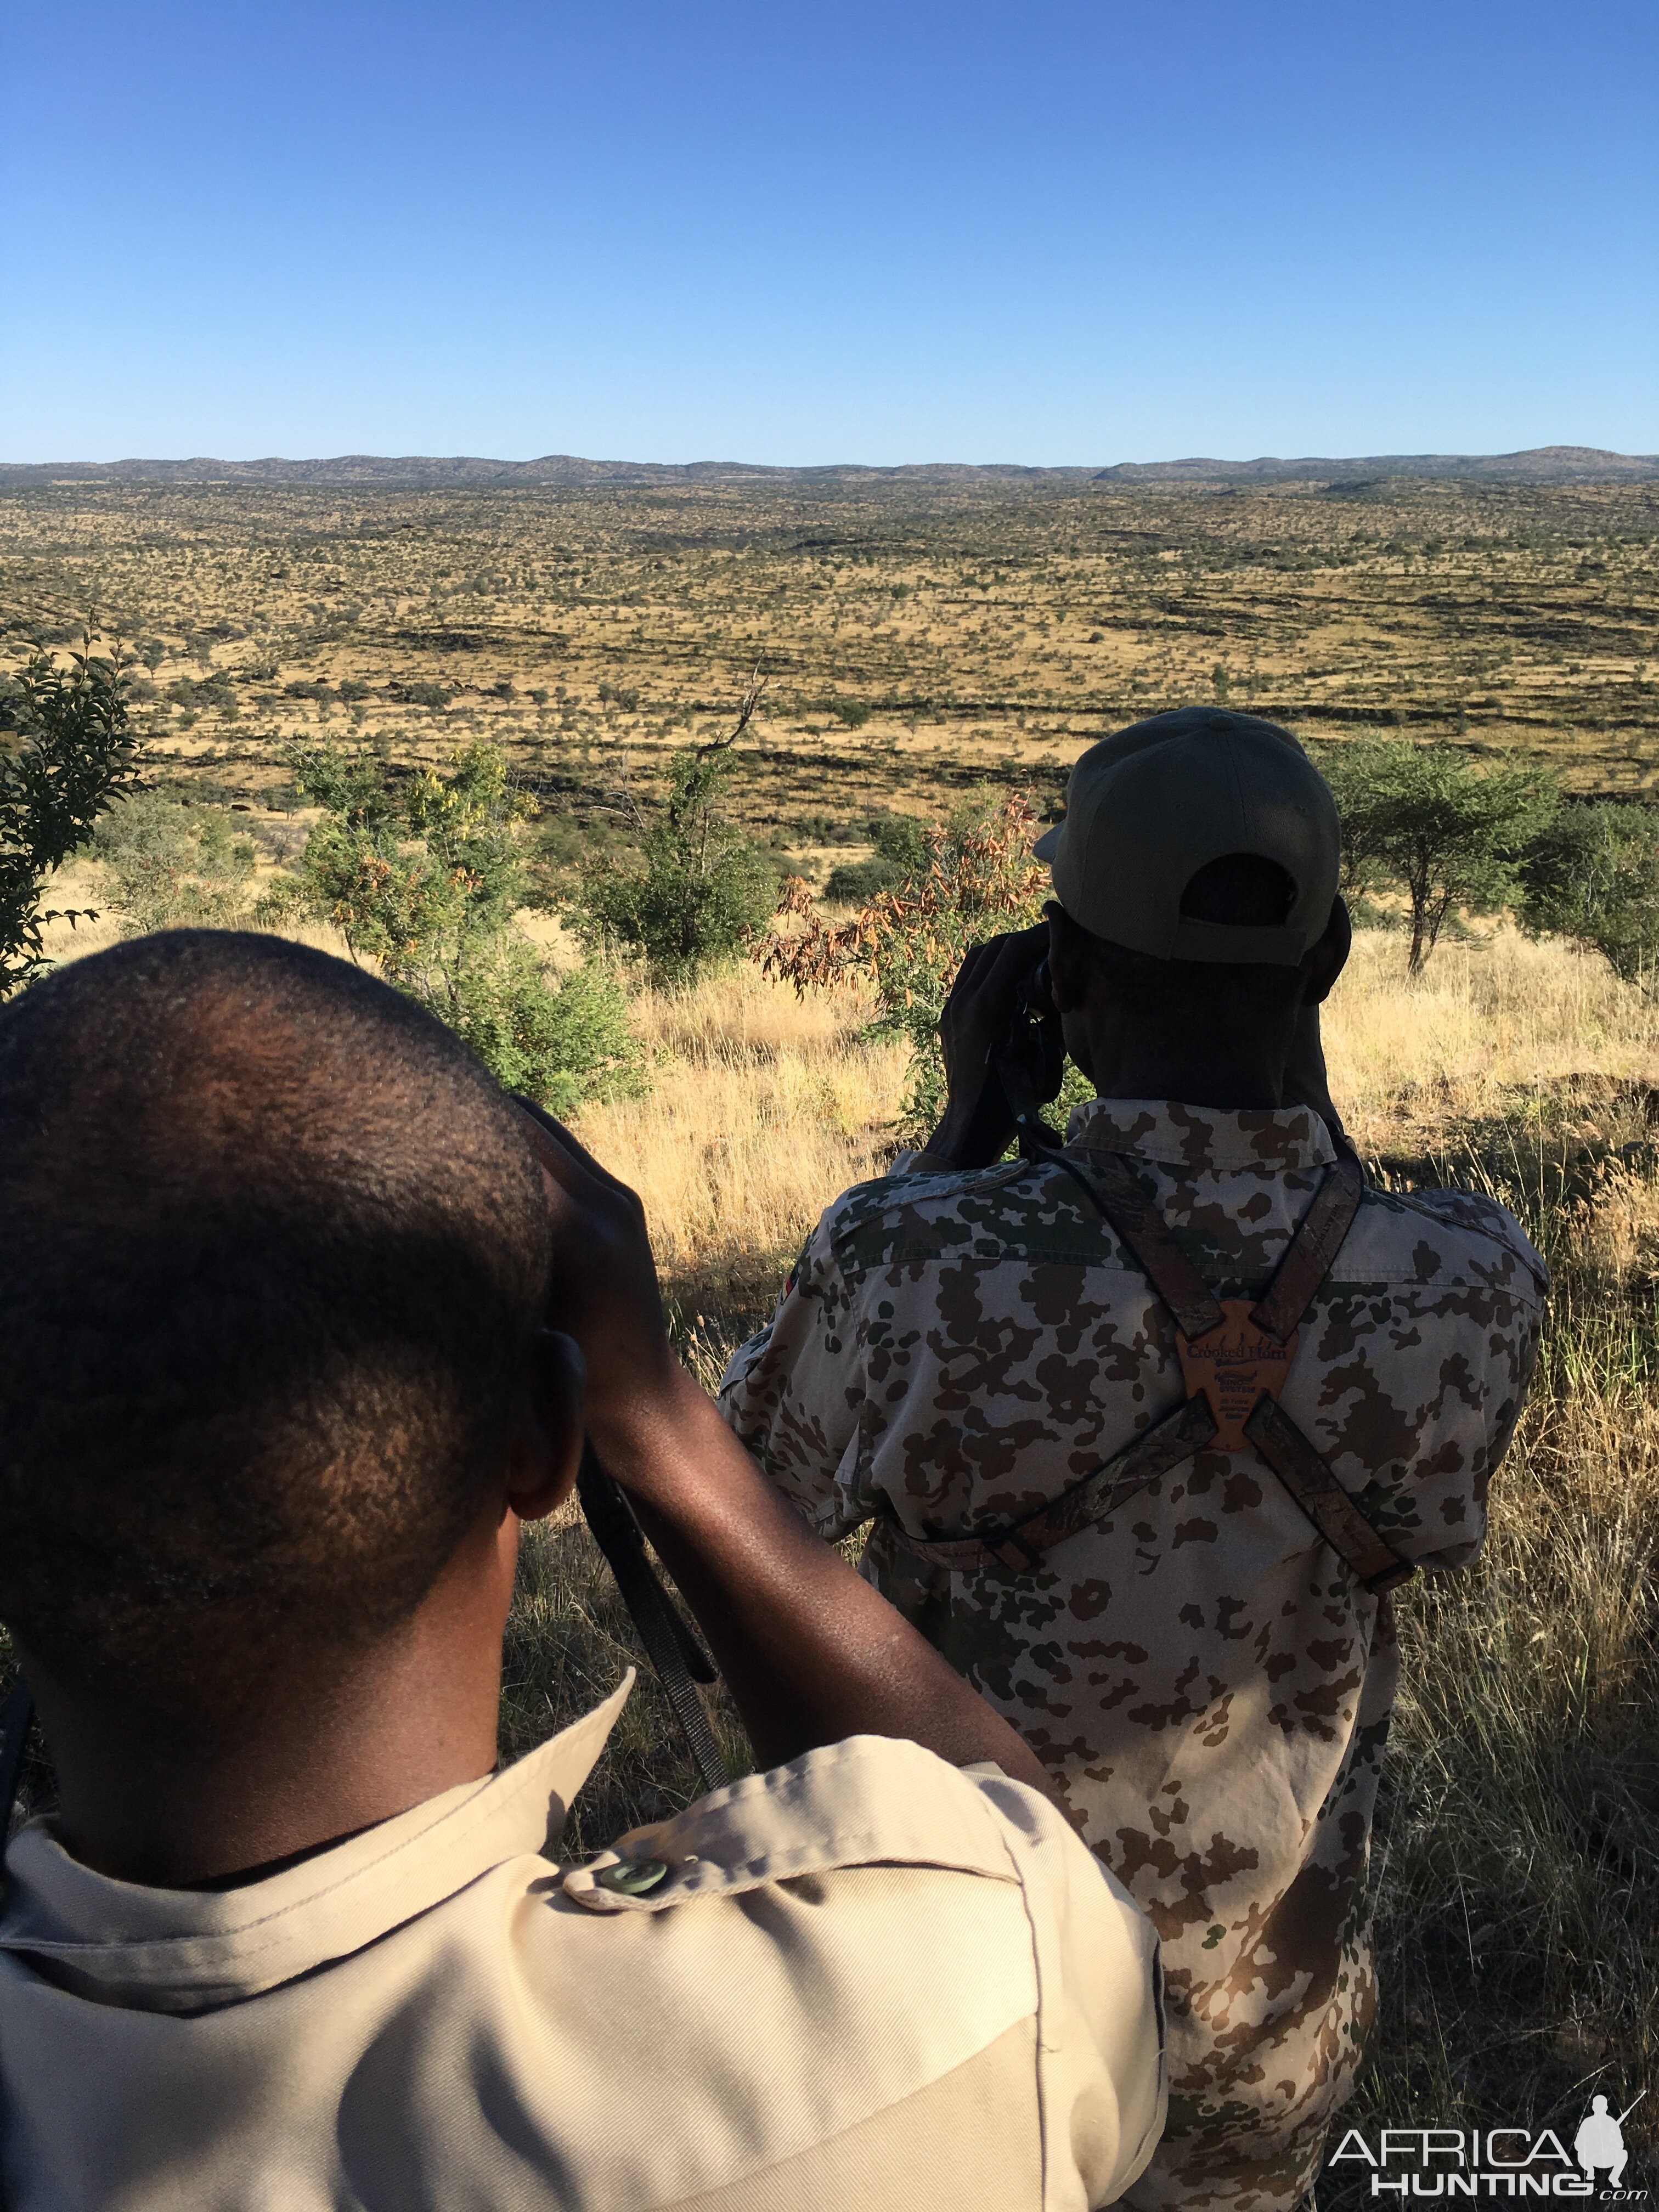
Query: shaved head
{"x":274,"y":1252}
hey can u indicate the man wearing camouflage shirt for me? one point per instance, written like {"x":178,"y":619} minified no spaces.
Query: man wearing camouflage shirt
{"x":1180,"y":1597}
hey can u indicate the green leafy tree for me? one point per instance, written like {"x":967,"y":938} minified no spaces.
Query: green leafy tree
{"x":852,"y":713}
{"x":415,"y":872}
{"x":65,"y":753}
{"x":1593,"y":875}
{"x":699,"y":892}
{"x":422,"y":874}
{"x":175,"y":866}
{"x":1426,"y":821}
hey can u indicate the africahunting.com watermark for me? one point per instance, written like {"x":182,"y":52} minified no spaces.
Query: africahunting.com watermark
{"x":1451,"y":2162}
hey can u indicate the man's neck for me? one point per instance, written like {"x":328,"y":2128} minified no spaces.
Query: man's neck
{"x":297,"y":1779}
{"x":352,"y":1741}
{"x":1152,"y":1068}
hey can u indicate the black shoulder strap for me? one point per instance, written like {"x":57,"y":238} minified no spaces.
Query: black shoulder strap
{"x":679,"y":1660}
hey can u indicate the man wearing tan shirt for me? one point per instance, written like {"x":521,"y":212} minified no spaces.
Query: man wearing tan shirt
{"x":295,"y":1316}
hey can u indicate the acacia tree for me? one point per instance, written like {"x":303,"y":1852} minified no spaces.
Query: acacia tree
{"x":1426,"y":820}
{"x":1593,"y":875}
{"x":66,"y":751}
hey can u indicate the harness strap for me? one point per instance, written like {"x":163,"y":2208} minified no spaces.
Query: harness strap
{"x":1022,"y":1543}
{"x":679,"y":1659}
{"x":1135,"y":1218}
{"x":1134,"y":1214}
{"x":1312,"y":1249}
{"x":1306,"y":1474}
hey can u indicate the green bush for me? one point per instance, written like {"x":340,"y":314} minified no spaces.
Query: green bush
{"x":900,"y":843}
{"x":1593,"y":875}
{"x":65,"y":753}
{"x":175,"y":866}
{"x":856,"y":883}
{"x":423,"y":874}
{"x":562,"y":1040}
{"x":698,"y":892}
{"x":902,"y":840}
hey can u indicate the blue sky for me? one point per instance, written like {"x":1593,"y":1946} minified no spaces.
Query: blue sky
{"x":1025,"y":231}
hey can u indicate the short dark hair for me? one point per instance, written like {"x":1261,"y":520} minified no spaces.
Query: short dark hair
{"x":1242,"y":889}
{"x":274,"y":1247}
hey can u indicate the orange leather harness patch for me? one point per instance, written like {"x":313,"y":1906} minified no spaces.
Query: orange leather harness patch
{"x":1231,"y":1364}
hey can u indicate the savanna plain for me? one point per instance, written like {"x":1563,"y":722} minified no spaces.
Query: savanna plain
{"x":922,"y":639}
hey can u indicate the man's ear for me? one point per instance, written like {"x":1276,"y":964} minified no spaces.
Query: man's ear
{"x":545,"y":1449}
{"x":1327,"y":957}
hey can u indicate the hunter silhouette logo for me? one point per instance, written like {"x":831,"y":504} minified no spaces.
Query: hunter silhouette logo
{"x":1600,"y":2142}
{"x":1446,"y":2162}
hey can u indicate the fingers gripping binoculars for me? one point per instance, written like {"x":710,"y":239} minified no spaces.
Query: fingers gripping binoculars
{"x":1022,"y":1075}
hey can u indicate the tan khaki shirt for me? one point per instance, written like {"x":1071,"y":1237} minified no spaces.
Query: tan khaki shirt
{"x":867,"y":1980}
{"x":1199,"y":1672}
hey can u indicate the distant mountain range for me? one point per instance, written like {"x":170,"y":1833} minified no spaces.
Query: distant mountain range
{"x":1540,"y":465}
{"x":465,"y":470}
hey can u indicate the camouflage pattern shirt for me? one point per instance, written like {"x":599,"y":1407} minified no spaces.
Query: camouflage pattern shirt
{"x":1201,"y":1674}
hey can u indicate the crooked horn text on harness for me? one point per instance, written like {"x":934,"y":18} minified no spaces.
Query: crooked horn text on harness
{"x":1235,"y":1356}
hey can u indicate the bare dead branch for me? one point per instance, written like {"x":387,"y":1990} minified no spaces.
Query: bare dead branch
{"x":746,"y":707}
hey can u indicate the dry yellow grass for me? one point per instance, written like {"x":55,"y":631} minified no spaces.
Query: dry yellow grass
{"x":761,"y":1108}
{"x":1517,"y":1881}
{"x":1489,"y":1017}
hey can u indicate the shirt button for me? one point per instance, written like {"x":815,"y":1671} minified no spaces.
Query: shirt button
{"x":632,"y":1877}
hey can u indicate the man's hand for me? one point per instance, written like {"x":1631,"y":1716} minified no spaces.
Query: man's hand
{"x":603,"y":1281}
{"x":977,"y":1122}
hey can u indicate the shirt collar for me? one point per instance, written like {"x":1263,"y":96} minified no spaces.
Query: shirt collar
{"x":1270,"y":1139}
{"x":184,"y":1950}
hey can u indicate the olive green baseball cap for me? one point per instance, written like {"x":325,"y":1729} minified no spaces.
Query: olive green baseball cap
{"x":1150,"y":805}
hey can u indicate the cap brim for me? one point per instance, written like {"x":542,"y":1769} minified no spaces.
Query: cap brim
{"x":1047,"y":844}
